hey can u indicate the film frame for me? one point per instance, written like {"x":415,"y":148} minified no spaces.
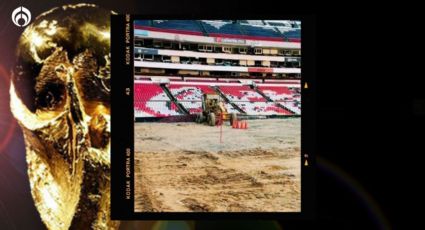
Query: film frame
{"x":122,"y":124}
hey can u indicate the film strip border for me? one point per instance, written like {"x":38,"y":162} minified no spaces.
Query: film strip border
{"x":122,"y":127}
{"x":122,"y":117}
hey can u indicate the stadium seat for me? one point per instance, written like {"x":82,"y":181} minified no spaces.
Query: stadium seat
{"x":260,"y":31}
{"x":149,"y":92}
{"x":194,"y":107}
{"x":215,"y":27}
{"x":293,"y":35}
{"x":155,"y":109}
{"x":241,"y":93}
{"x":262,"y":108}
{"x":187,"y":25}
{"x":143,"y":22}
{"x":151,"y":101}
{"x":294,"y":106}
{"x":254,"y":28}
{"x":276,"y":93}
{"x":189,"y":92}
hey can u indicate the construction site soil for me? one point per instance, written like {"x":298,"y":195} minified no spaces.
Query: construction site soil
{"x":184,"y":167}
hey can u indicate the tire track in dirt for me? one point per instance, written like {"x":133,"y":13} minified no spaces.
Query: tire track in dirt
{"x":193,"y":174}
{"x":201,"y":182}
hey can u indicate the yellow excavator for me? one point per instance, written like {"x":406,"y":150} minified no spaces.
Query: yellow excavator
{"x":214,"y":111}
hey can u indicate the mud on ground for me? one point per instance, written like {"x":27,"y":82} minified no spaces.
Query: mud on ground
{"x":182,"y":167}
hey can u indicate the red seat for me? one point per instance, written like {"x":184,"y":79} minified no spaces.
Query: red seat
{"x":241,"y":93}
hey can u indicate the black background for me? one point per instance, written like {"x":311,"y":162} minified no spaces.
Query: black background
{"x":371,"y":112}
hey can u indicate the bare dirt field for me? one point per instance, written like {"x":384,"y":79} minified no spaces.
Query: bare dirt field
{"x":183,"y":167}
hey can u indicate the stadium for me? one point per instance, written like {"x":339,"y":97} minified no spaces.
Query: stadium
{"x":211,"y":71}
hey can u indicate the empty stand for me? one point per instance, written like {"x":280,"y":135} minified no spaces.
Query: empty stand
{"x":149,"y":92}
{"x":217,"y":27}
{"x":230,"y":108}
{"x":155,"y":109}
{"x":241,"y":93}
{"x":189,"y":92}
{"x":194,"y":107}
{"x":171,"y":88}
{"x":276,"y":93}
{"x":294,"y":106}
{"x":189,"y":95}
{"x":286,"y":97}
{"x":188,"y":25}
{"x":254,"y":28}
{"x":150,"y":100}
{"x":292,"y":35}
{"x":260,"y":31}
{"x":144,"y":22}
{"x":262,"y":108}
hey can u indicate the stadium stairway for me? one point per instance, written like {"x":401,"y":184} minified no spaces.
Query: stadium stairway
{"x":278,"y":31}
{"x":182,"y":109}
{"x":285,"y":108}
{"x":262,"y":94}
{"x":217,"y":89}
{"x":204,"y":31}
{"x":270,"y":100}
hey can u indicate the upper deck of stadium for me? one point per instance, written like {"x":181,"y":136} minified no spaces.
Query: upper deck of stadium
{"x":267,"y":30}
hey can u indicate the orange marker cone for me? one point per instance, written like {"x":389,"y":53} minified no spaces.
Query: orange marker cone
{"x":234,"y":124}
{"x":239,"y":124}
